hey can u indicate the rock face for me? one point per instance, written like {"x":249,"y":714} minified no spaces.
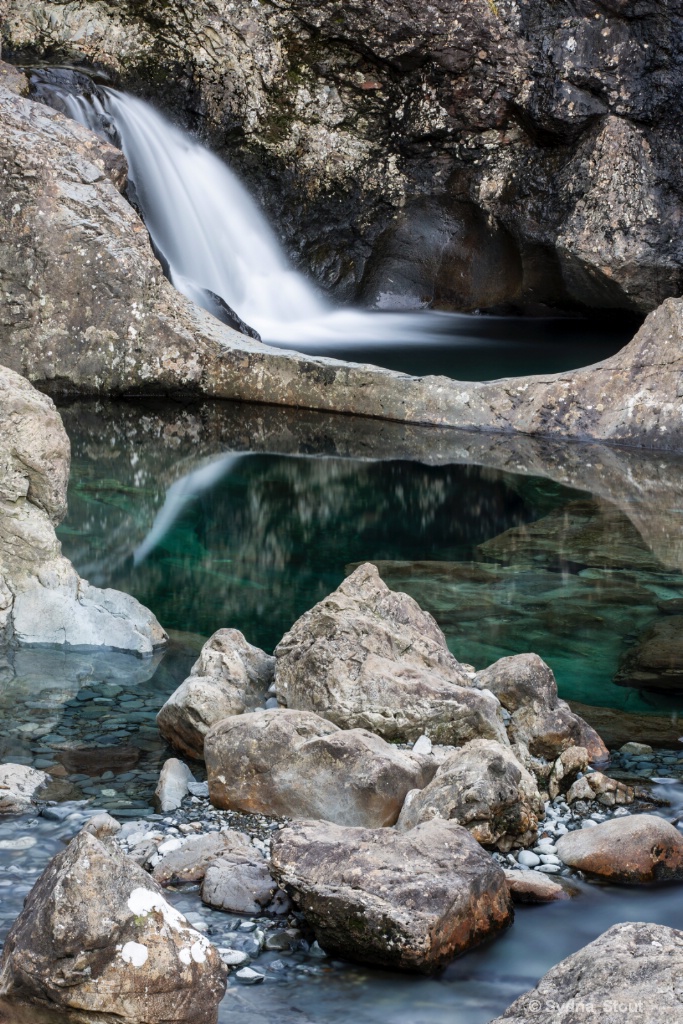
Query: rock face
{"x":485,"y":789}
{"x":526,"y":688}
{"x":147,"y":337}
{"x":408,"y":901}
{"x":42,"y":599}
{"x":368,"y":657}
{"x":96,"y":935}
{"x":541,"y":140}
{"x":18,"y":785}
{"x":634,"y":849}
{"x":656,"y":661}
{"x":630,"y":965}
{"x":298,"y":765}
{"x":229,"y":677}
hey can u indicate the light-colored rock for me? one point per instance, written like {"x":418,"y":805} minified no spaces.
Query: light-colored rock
{"x":371,"y":658}
{"x":299,"y":765}
{"x":632,"y":849}
{"x":102,"y":826}
{"x":600,"y":787}
{"x":527,"y":689}
{"x":238,"y":882}
{"x":18,"y":786}
{"x":485,"y":789}
{"x":189,"y":862}
{"x":630,"y":969}
{"x":564,"y":772}
{"x":173,"y":786}
{"x":229,"y":677}
{"x":97,"y":936}
{"x":409,"y":900}
{"x":533,"y":887}
{"x":636,"y":748}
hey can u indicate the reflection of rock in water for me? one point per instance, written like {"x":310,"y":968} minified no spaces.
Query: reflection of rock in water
{"x":583,"y":533}
{"x":656,"y":661}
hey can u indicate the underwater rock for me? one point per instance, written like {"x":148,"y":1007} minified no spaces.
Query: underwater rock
{"x":656,"y":661}
{"x":371,"y":658}
{"x":630,"y":965}
{"x":42,"y":598}
{"x":633,"y":849}
{"x":409,"y":901}
{"x":97,"y":936}
{"x":484,"y":788}
{"x":229,"y":677}
{"x":526,"y":688}
{"x":18,"y":786}
{"x":299,"y":765}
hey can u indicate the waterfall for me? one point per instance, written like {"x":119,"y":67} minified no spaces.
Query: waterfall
{"x":209,"y":233}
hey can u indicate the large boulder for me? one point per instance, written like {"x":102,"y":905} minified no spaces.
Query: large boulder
{"x":299,"y":765}
{"x":632,"y":968}
{"x":42,"y":598}
{"x":527,"y":689}
{"x":632,"y":849}
{"x":484,"y":788}
{"x":409,"y":901}
{"x":96,"y":935}
{"x":229,"y":677}
{"x":655,"y":662}
{"x":18,"y":787}
{"x":371,"y":658}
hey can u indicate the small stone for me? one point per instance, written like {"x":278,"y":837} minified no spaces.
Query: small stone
{"x":528,"y":859}
{"x":422,"y":745}
{"x":233,"y":957}
{"x":548,"y":869}
{"x":636,"y":748}
{"x":248,"y":976}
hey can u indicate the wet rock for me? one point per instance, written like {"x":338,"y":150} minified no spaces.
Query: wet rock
{"x":18,"y":787}
{"x":630,"y":965}
{"x":189,"y":862}
{"x":405,"y":900}
{"x":238,"y":882}
{"x":97,"y":936}
{"x":526,"y":688}
{"x":484,"y":788}
{"x":229,"y":677}
{"x":656,"y":661}
{"x":369,"y":657}
{"x":173,"y":786}
{"x":533,"y":887}
{"x":632,"y":849}
{"x":297,"y":764}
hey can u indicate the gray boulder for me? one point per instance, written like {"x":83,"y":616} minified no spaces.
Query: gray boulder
{"x":527,"y":689}
{"x":370,"y":658}
{"x":97,"y":936}
{"x":229,"y":677}
{"x":173,"y":786}
{"x":238,"y":882}
{"x":189,"y":862}
{"x":299,"y":765}
{"x":633,"y":849}
{"x":18,"y":786}
{"x":484,"y":788}
{"x":408,"y":901}
{"x":632,"y":968}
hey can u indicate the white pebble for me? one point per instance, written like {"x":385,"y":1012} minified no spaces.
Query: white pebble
{"x":548,"y":869}
{"x":529,"y":859}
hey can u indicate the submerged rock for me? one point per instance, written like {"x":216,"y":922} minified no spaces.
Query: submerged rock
{"x":408,"y":901}
{"x":656,"y":661}
{"x":484,"y":788}
{"x":631,"y":968}
{"x":633,"y":849}
{"x":97,"y":936}
{"x":527,"y":689}
{"x":18,"y":786}
{"x":229,"y":677}
{"x":371,"y":658}
{"x":299,"y":765}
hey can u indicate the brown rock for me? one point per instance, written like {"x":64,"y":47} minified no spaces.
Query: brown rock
{"x":296,"y":764}
{"x":485,"y":789}
{"x":409,"y":901}
{"x":633,"y":849}
{"x":600,"y":787}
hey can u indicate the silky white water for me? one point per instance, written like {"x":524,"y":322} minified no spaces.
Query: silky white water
{"x":212,"y":234}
